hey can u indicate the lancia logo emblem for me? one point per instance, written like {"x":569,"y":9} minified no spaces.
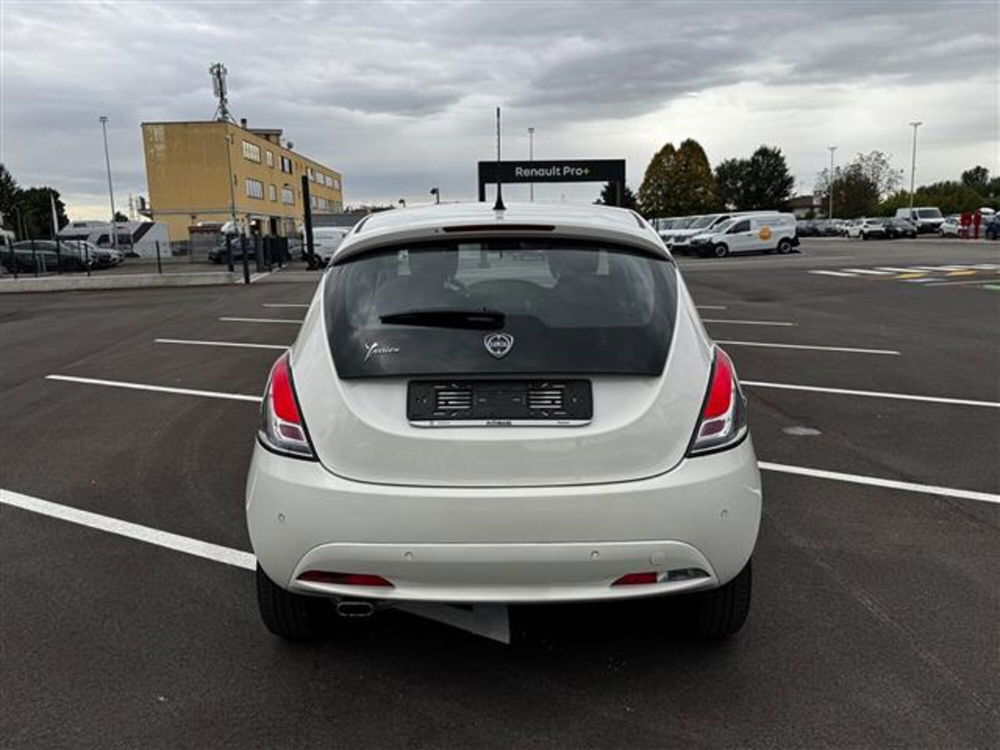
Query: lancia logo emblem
{"x":498,"y":344}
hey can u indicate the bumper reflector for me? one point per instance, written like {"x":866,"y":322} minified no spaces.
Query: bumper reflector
{"x":344,"y":579}
{"x":636,"y":579}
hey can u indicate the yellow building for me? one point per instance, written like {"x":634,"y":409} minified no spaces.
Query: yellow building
{"x":187,"y":167}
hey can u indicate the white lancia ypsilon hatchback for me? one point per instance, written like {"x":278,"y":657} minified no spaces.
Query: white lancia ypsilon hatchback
{"x":507,"y":406}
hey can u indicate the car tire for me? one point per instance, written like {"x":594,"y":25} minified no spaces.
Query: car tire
{"x":784,"y":247}
{"x":293,"y":617}
{"x":864,"y":236}
{"x":720,"y":251}
{"x":721,"y":612}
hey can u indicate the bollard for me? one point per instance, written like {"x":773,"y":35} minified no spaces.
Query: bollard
{"x":229,"y":252}
{"x":246,"y":263}
{"x":159,"y":265}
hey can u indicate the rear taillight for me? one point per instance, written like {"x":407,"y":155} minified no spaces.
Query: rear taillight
{"x":723,"y":420}
{"x":282,"y":428}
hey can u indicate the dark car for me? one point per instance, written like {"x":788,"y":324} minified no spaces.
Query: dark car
{"x":808,"y":228}
{"x":218,"y":254}
{"x":899,"y":227}
{"x":45,"y":256}
{"x":990,"y":228}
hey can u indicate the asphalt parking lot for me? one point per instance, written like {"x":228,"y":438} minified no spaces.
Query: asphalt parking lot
{"x":873,"y":373}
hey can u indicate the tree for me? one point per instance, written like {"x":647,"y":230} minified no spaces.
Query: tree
{"x":758,"y":183}
{"x":730,"y":177}
{"x":691,"y":182}
{"x":654,"y":196}
{"x":8,"y":197}
{"x":859,"y":186}
{"x":977,"y":178}
{"x":609,"y":197}
{"x":768,"y":183}
{"x":36,"y":211}
{"x":950,"y":196}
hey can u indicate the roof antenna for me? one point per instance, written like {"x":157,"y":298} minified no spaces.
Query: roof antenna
{"x":499,"y":206}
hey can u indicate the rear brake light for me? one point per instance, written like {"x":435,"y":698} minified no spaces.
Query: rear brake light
{"x":282,"y":428}
{"x":344,"y":579}
{"x":723,"y":419}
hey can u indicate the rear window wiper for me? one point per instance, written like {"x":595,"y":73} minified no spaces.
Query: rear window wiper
{"x":480,"y":320}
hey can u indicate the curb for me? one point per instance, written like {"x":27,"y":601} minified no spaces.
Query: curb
{"x":123,"y":281}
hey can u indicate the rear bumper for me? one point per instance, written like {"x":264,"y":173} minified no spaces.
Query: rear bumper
{"x":525,"y":544}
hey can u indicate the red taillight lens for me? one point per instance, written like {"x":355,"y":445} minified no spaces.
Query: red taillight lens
{"x":345,"y":579}
{"x":723,"y":420}
{"x":282,"y":428}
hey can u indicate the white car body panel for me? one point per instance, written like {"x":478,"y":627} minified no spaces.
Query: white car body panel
{"x":502,"y":543}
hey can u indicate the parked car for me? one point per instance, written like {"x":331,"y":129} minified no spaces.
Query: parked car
{"x":990,"y":228}
{"x":98,"y":257}
{"x":808,"y":228}
{"x":326,"y":240}
{"x":896,"y":228}
{"x":951,"y":227}
{"x":677,"y":227}
{"x":867,"y":229}
{"x":219,"y":253}
{"x":927,"y":218}
{"x":748,"y":234}
{"x":680,"y":243}
{"x":518,"y":405}
{"x":46,"y":256}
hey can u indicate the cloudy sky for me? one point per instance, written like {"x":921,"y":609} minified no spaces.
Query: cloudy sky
{"x":400,"y":96}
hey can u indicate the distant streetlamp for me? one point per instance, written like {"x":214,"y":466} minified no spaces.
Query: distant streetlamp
{"x":913,"y":164}
{"x":830,"y":185}
{"x":437,"y":194}
{"x":111,"y":193}
{"x":402,"y":202}
{"x":531,"y":158}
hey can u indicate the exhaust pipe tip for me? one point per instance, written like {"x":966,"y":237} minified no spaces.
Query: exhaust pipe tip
{"x":355,"y":608}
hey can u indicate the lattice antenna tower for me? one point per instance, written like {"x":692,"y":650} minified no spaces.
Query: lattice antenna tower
{"x":218,"y":73}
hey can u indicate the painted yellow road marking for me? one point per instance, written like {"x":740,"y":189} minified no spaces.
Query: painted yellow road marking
{"x":912,"y":275}
{"x":962,"y":273}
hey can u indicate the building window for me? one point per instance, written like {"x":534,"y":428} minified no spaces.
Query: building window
{"x":251,"y":151}
{"x":286,"y":164}
{"x":310,"y":174}
{"x":269,"y":155}
{"x":255,"y":188}
{"x":272,"y":193}
{"x":287,"y":196}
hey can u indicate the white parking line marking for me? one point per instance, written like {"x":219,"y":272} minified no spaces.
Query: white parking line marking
{"x":488,"y":620}
{"x":260,"y":320}
{"x":156,"y":388}
{"x":237,"y":344}
{"x":868,"y":271}
{"x":809,"y":347}
{"x":833,"y":273}
{"x":893,"y":269}
{"x":874,"y":394}
{"x":893,"y":484}
{"x":983,"y":280}
{"x":711,"y":307}
{"x":748,"y":322}
{"x":147,"y":534}
{"x":283,"y":304}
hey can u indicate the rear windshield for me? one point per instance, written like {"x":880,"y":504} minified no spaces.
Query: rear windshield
{"x":929,"y":213}
{"x":551,"y":307}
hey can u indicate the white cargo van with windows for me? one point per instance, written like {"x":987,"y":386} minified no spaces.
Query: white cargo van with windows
{"x":748,"y":234}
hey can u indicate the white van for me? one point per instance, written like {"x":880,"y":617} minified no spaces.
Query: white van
{"x":748,"y":234}
{"x":927,"y":218}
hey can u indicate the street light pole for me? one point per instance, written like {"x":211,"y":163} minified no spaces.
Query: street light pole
{"x":232,"y":198}
{"x":913,"y":164}
{"x":531,"y":158}
{"x":111,"y":191}
{"x":830,"y":185}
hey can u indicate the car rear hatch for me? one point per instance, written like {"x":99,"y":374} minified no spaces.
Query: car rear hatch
{"x":520,"y":362}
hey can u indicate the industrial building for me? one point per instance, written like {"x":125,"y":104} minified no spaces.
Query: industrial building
{"x":203,"y":172}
